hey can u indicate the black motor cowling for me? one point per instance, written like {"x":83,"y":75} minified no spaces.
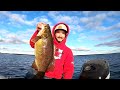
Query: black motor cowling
{"x":95,"y":69}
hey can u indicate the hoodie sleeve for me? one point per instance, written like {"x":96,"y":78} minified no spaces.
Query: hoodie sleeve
{"x":33,"y":36}
{"x":68,"y":66}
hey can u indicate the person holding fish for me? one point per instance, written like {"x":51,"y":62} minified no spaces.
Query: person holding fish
{"x":62,"y":65}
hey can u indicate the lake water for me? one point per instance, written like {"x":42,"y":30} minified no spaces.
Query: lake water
{"x":17,"y":65}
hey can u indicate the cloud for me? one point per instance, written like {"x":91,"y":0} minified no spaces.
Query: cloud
{"x":84,"y":25}
{"x":91,"y":20}
{"x":90,"y":52}
{"x":53,"y":13}
{"x":108,"y":36}
{"x":113,"y":13}
{"x":45,"y":20}
{"x":76,"y":28}
{"x":61,"y":17}
{"x":18,"y":18}
{"x":115,"y":43}
{"x":80,"y":49}
{"x":82,"y":37}
{"x":96,"y":18}
{"x":72,"y":21}
{"x":16,"y":49}
{"x":87,"y":12}
{"x":116,"y":50}
{"x":112,"y":27}
{"x":19,"y":37}
{"x":12,"y":40}
{"x":95,"y":21}
{"x":3,"y":32}
{"x":67,"y":19}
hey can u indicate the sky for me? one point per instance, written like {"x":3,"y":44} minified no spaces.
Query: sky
{"x":91,"y":32}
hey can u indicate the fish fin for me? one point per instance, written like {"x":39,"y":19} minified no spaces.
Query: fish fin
{"x":36,"y":39}
{"x":34,"y":65}
{"x":39,"y":75}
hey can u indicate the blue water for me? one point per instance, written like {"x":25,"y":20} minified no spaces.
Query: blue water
{"x":16,"y":66}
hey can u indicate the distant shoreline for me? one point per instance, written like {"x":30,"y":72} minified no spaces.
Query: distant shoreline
{"x":17,"y":54}
{"x":74,"y":55}
{"x":98,"y":54}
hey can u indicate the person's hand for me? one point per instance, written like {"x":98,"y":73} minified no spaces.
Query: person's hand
{"x":40,"y":25}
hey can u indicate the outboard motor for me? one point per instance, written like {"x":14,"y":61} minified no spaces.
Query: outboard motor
{"x":95,"y":69}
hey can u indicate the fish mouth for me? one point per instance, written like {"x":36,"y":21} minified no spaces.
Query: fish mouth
{"x":43,"y":52}
{"x":43,"y":30}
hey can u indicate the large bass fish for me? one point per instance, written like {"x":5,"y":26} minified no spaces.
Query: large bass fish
{"x":44,"y":52}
